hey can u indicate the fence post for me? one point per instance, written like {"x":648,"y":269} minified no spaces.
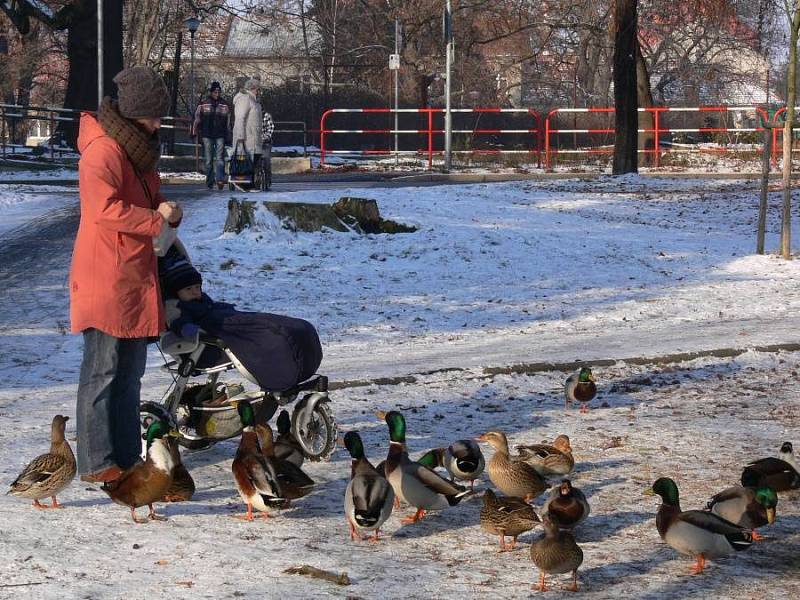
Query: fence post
{"x":322,"y":138}
{"x":3,"y":129}
{"x":657,"y":138}
{"x":762,"y":205}
{"x":430,"y":139}
{"x":547,"y":142}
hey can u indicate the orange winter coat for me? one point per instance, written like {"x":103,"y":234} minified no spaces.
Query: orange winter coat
{"x":114,"y":276}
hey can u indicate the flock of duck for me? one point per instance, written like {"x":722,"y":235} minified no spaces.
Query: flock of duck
{"x":268,"y":474}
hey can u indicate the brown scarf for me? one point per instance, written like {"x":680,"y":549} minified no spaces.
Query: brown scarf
{"x":142,"y":148}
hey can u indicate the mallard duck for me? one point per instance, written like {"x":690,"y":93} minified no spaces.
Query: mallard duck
{"x":48,"y":474}
{"x":556,"y":552}
{"x":568,"y":504}
{"x":182,"y":488}
{"x":369,"y":497}
{"x":146,"y":482}
{"x":416,"y":484}
{"x":512,"y":477}
{"x":781,"y":474}
{"x":254,"y":474}
{"x":695,"y":532}
{"x":507,"y":516}
{"x":580,"y":387}
{"x":293,"y":481}
{"x":555,"y":459}
{"x":286,"y":445}
{"x":746,"y":507}
{"x":463,"y":459}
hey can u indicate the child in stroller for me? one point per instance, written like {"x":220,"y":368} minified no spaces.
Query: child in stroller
{"x":278,"y":353}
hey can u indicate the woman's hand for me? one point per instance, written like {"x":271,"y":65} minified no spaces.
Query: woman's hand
{"x":171,"y":212}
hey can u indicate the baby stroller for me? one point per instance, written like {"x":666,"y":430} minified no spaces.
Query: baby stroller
{"x":205,"y":413}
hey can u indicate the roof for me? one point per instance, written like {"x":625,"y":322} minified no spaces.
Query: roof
{"x":264,"y":37}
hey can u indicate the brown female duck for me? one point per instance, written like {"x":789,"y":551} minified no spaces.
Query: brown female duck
{"x":556,"y":552}
{"x":511,"y":476}
{"x":50,"y":473}
{"x":549,"y":459}
{"x":506,"y":516}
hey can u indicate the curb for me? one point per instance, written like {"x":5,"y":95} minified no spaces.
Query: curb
{"x":544,"y":367}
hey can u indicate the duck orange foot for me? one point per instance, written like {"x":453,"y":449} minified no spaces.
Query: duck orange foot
{"x":417,"y":516}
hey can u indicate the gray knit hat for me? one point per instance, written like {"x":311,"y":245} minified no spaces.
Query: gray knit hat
{"x":142,"y":93}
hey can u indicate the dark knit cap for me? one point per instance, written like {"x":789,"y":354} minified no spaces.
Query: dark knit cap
{"x":142,"y":93}
{"x":215,"y":86}
{"x":177,"y":274}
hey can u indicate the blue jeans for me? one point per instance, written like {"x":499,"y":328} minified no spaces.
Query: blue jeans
{"x":212,"y":160}
{"x":108,"y":401}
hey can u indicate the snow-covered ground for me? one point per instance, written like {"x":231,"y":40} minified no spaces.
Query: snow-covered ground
{"x":497,"y":275}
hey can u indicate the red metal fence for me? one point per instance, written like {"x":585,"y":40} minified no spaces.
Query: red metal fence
{"x":548,"y":131}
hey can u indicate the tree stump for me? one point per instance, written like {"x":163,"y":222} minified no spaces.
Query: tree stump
{"x":346,"y":214}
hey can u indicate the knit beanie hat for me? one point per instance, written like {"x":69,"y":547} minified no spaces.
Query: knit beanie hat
{"x":177,"y":273}
{"x":215,"y":86}
{"x":142,"y":93}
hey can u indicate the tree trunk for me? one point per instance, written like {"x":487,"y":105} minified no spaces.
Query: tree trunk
{"x":82,"y":55}
{"x":791,"y":96}
{"x":625,"y":93}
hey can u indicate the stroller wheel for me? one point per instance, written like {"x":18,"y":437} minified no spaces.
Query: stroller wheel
{"x":317,"y":435}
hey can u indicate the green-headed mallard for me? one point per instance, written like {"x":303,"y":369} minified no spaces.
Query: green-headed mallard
{"x":182,"y":488}
{"x":506,"y":515}
{"x":49,"y":474}
{"x":746,"y":507}
{"x":781,"y":474}
{"x":556,"y":552}
{"x":697,"y":533}
{"x":293,"y":481}
{"x":286,"y":445}
{"x":580,"y":387}
{"x":463,"y":459}
{"x":512,"y":477}
{"x":549,"y":459}
{"x":254,"y":474}
{"x":369,"y":497}
{"x":146,"y":482}
{"x":416,"y":484}
{"x":568,"y":504}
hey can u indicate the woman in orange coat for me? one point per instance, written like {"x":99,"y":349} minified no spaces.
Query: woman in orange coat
{"x":115,"y":301}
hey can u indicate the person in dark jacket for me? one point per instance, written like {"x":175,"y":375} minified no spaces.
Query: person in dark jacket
{"x":277,"y":350}
{"x":212,"y":123}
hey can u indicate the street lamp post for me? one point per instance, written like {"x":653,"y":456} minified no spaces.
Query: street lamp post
{"x":448,"y":117}
{"x":192,"y":24}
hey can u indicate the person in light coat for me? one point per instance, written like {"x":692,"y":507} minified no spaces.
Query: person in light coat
{"x":248,"y":118}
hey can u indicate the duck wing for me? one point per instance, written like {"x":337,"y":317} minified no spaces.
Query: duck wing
{"x":738,"y":537}
{"x":540,"y":451}
{"x":731,"y":493}
{"x":433,"y":480}
{"x":38,"y":471}
{"x":263,"y":476}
